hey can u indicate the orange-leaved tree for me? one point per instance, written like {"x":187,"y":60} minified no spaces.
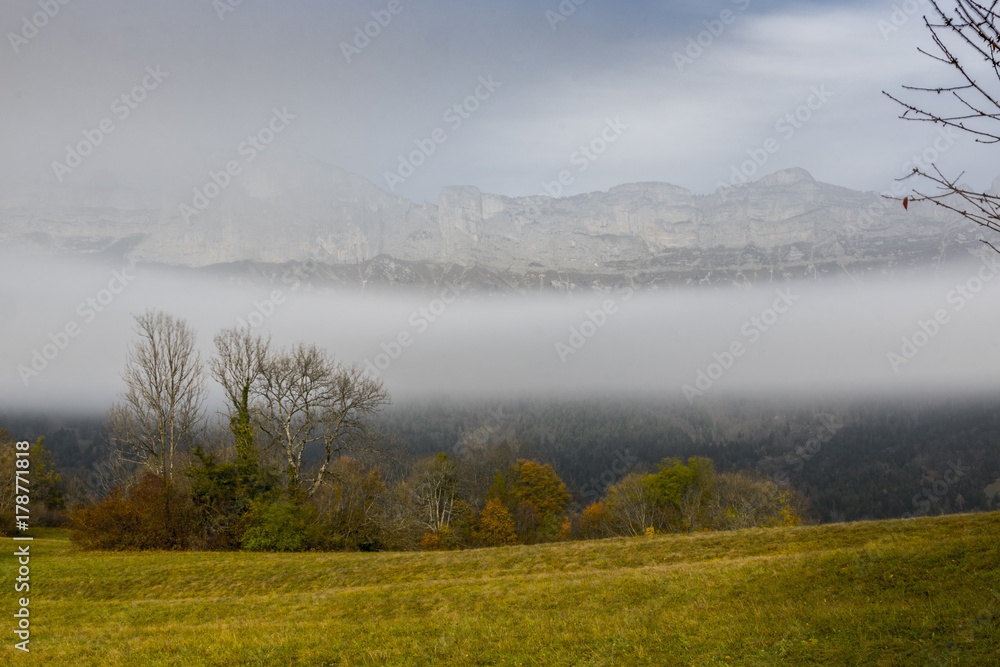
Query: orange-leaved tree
{"x":496,"y":526}
{"x":539,"y":487}
{"x":594,"y":521}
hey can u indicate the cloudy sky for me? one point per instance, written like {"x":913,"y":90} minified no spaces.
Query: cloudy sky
{"x":107,"y":96}
{"x":680,"y":92}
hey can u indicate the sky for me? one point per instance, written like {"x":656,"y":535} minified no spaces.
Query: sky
{"x":108,"y":96}
{"x":613,"y":92}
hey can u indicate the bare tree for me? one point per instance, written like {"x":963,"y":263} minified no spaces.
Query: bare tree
{"x":160,"y":412}
{"x":970,"y":104}
{"x":238,"y":365}
{"x":631,"y":510}
{"x":434,"y":484}
{"x":353,"y":505}
{"x":305,"y":398}
{"x":742,"y":500}
{"x":107,"y":474}
{"x":477,"y":467}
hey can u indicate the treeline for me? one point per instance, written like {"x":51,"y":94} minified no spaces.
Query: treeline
{"x":46,"y":502}
{"x":885,"y":459}
{"x":850,"y":460}
{"x":479,"y":498}
{"x":300,"y":463}
{"x":869,"y":459}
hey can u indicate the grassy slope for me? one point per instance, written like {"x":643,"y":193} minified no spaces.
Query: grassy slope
{"x":881,"y":593}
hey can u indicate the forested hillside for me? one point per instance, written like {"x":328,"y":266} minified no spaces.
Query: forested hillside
{"x":869,"y":459}
{"x":879,"y":460}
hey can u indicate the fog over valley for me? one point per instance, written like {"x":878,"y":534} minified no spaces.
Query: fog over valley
{"x":473,"y":332}
{"x":836,"y":336}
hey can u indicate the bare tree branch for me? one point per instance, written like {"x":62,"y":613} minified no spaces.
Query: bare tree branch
{"x":974,"y":26}
{"x":303,"y":398}
{"x":160,"y":412}
{"x":237,"y":366}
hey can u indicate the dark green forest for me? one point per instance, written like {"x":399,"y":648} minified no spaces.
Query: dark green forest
{"x":868,"y":459}
{"x":851,"y":460}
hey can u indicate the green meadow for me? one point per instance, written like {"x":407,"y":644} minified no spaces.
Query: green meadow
{"x":906,"y":592}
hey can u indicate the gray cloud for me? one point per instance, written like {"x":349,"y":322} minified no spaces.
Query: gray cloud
{"x":605,"y":60}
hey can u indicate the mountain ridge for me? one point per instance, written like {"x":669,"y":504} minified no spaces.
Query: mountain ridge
{"x":784,"y":225}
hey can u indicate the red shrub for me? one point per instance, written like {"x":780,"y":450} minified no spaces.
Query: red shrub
{"x":152,"y":515}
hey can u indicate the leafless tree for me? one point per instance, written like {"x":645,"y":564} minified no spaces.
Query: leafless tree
{"x":476,"y":468}
{"x":434,"y":484}
{"x":630,"y":509}
{"x":970,"y":104}
{"x":304,"y":398}
{"x":353,"y":504}
{"x":160,"y":412}
{"x":107,"y":474}
{"x":238,"y":366}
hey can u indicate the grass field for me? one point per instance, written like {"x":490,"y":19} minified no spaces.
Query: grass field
{"x":915,"y":592}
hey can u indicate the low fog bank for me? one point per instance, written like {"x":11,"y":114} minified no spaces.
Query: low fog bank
{"x":67,"y":325}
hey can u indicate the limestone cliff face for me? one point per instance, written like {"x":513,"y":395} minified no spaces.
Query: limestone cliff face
{"x":460,"y":220}
{"x":312,"y":211}
{"x":788,"y":216}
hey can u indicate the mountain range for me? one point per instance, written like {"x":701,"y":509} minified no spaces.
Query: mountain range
{"x":785,"y":225}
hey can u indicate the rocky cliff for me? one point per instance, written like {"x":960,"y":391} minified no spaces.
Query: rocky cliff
{"x":787,"y":224}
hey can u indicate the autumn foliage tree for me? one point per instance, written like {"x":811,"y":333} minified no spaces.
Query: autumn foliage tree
{"x":294,"y":470}
{"x":538,"y":485}
{"x":630,"y":507}
{"x":682,"y":497}
{"x":594,"y":521}
{"x":536,"y":497}
{"x":45,"y":489}
{"x":679,"y":492}
{"x":496,"y":525}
